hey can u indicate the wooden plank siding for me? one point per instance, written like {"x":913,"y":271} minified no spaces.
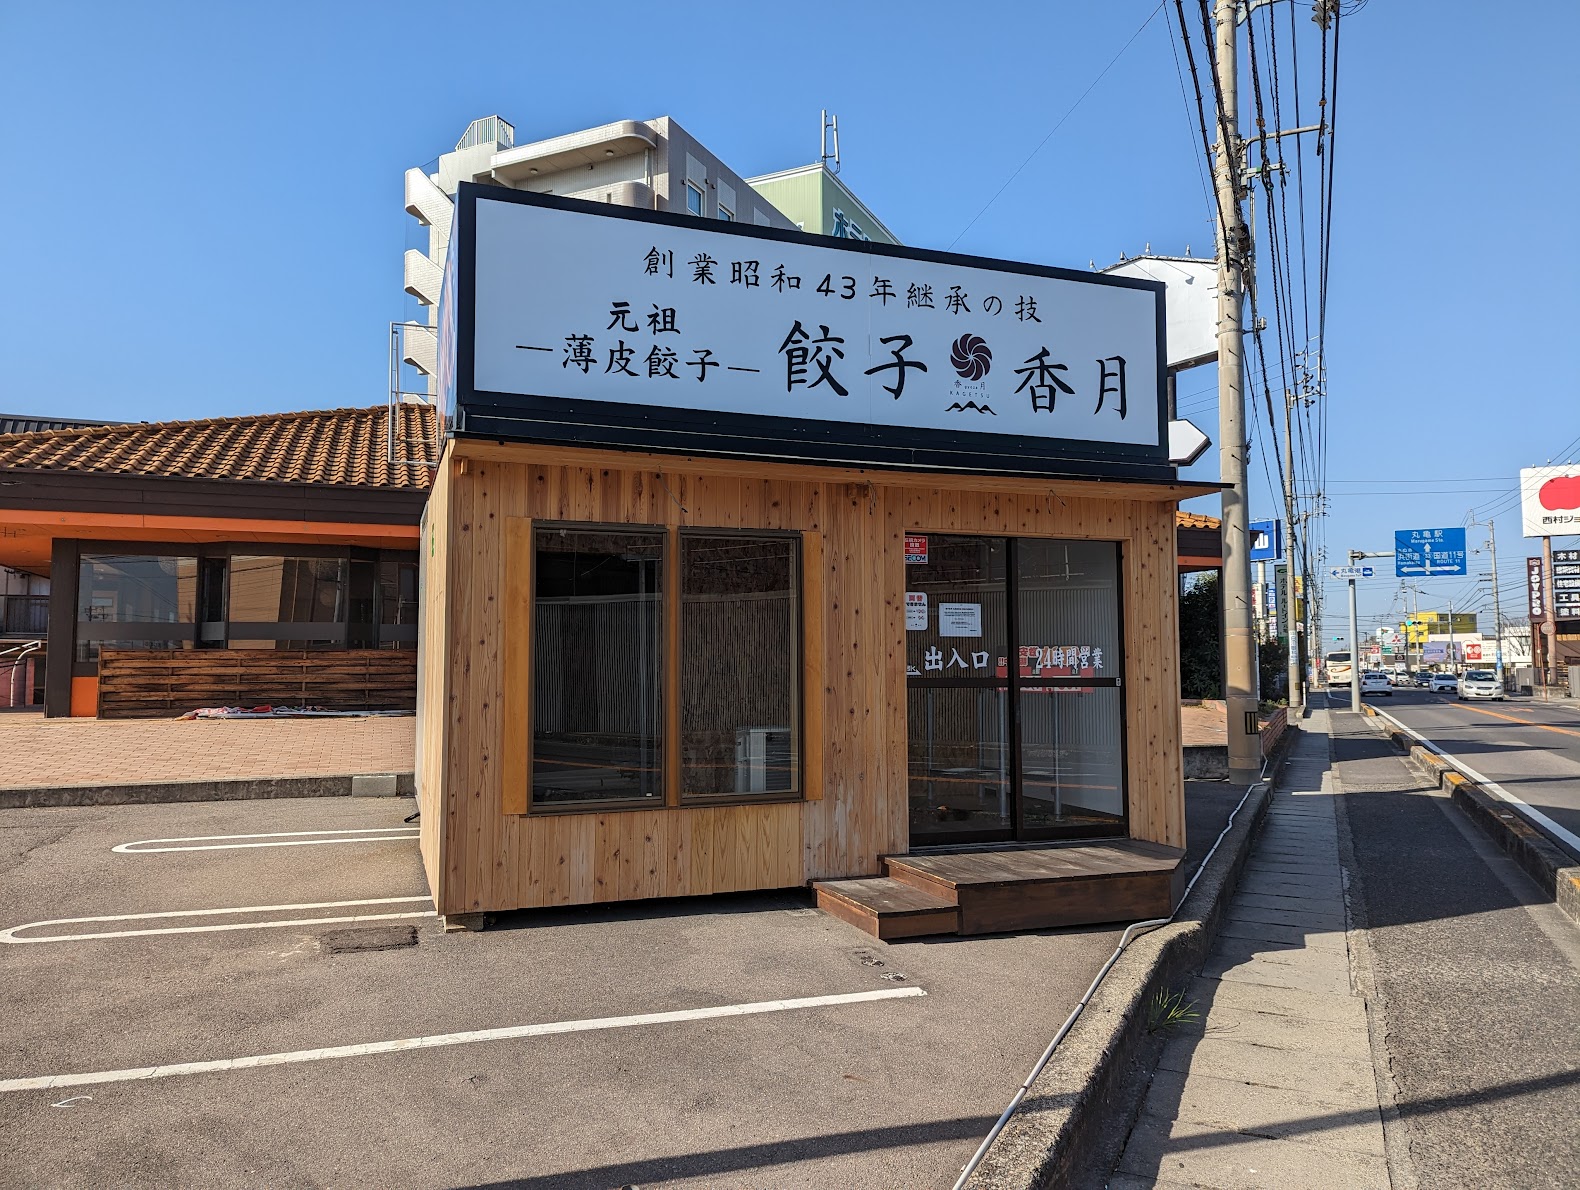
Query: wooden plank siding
{"x":490,"y":856}
{"x":161,"y":683}
{"x":433,"y":684}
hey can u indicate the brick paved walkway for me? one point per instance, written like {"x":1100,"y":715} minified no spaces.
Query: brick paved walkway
{"x":52,"y":753}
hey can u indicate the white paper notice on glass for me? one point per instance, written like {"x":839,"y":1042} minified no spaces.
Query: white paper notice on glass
{"x":959,"y":619}
{"x":915,"y":611}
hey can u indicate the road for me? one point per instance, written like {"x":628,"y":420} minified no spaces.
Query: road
{"x":1529,"y":747}
{"x":1471,"y":974}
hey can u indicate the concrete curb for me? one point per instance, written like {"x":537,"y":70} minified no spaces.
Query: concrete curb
{"x":362,"y":785}
{"x":1541,"y":860}
{"x":1053,"y":1135}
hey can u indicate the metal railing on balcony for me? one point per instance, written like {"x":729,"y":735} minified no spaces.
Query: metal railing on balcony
{"x":24,"y":615}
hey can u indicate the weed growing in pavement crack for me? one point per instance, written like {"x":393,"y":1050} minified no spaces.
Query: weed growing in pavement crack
{"x":1168,"y":1012}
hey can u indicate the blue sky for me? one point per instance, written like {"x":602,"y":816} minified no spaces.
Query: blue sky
{"x":205,"y":200}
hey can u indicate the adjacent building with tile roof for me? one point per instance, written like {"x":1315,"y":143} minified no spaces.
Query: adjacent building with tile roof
{"x":229,"y":543}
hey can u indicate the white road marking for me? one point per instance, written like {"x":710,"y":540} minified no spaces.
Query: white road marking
{"x":1530,"y":811}
{"x":9,"y":935}
{"x":509,"y":1033}
{"x":374,"y":834}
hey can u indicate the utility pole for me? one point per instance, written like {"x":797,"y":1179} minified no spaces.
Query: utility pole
{"x":1497,"y":606}
{"x":1549,"y":629}
{"x":1241,"y":692}
{"x":1355,"y":645}
{"x":1293,"y":659}
{"x":1355,"y":651}
{"x":1453,"y":653}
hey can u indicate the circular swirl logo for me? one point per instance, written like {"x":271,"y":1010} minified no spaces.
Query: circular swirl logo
{"x":971,"y":357}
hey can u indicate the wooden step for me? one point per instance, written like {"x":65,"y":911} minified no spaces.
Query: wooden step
{"x":887,"y":908}
{"x":1036,"y":888}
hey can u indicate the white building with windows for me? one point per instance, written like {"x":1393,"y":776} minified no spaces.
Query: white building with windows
{"x":654,"y":164}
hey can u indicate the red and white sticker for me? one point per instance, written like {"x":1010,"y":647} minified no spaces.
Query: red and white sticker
{"x":915,"y":549}
{"x":915,"y":611}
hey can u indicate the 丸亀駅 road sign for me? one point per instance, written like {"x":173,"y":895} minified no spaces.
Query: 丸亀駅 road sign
{"x":1351,"y":571}
{"x":1421,"y":552}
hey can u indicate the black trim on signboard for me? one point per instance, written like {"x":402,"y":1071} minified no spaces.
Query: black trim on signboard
{"x":543,"y":418}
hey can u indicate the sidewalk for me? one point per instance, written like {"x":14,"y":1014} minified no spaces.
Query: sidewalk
{"x":1273,"y":1086}
{"x":55,"y":756}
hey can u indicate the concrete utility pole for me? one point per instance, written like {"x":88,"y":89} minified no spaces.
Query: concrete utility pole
{"x":1293,"y":658}
{"x":1549,"y":629}
{"x":1355,"y":651}
{"x":1241,"y":687}
{"x":1497,"y":605}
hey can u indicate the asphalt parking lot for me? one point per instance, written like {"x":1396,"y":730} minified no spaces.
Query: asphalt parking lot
{"x":886,"y":1069}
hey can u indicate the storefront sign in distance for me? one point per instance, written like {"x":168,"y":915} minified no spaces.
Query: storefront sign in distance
{"x":1566,"y":584}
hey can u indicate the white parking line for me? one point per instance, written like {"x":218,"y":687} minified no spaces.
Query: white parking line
{"x":1531,"y":812}
{"x":9,"y":935}
{"x":374,"y":834}
{"x":510,"y":1033}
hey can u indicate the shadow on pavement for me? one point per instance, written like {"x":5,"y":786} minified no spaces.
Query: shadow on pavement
{"x":751,"y":1157}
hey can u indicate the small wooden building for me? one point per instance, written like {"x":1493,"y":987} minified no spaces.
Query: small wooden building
{"x":797,"y":626}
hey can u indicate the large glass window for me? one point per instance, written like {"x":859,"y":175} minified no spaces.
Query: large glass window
{"x":598,"y":649}
{"x":398,"y":604}
{"x":287,"y":603}
{"x":136,"y":601}
{"x":1029,"y":749}
{"x":739,"y":664}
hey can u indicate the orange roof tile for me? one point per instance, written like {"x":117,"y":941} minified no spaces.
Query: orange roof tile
{"x":1194,"y":520}
{"x":325,"y":446}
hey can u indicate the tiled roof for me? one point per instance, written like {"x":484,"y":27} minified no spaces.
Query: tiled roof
{"x":323,"y":446}
{"x":28,"y":423}
{"x":1194,"y":520}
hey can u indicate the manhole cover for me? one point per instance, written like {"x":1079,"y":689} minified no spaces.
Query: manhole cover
{"x":367,"y":938}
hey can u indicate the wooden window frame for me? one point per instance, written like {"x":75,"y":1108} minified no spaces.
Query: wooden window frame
{"x":518,"y":616}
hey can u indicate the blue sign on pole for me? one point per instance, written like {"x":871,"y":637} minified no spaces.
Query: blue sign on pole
{"x":1425,"y":553}
{"x":1267,"y":541}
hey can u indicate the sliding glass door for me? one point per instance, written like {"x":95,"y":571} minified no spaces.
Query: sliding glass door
{"x":1029,"y":750}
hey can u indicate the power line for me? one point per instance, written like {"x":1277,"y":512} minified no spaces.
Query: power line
{"x":1068,"y":113}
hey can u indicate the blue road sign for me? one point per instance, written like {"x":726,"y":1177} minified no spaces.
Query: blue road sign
{"x":1267,"y":541}
{"x":1421,"y":553}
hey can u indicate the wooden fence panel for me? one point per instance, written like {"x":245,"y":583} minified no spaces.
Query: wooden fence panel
{"x":161,"y":683}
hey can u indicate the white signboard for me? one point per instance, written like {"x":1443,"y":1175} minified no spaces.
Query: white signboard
{"x":959,"y":619}
{"x":1192,"y":294}
{"x":1550,"y":501}
{"x":915,"y":611}
{"x":594,"y":307}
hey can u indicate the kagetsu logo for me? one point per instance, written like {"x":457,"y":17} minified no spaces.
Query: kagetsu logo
{"x":971,"y":357}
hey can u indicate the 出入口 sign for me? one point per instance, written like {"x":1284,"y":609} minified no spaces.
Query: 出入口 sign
{"x":765,"y":341}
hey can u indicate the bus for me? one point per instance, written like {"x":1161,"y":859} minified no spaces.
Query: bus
{"x":1336,"y":668}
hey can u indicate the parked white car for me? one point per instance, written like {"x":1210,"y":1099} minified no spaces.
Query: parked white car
{"x":1376,"y":682}
{"x":1479,"y":683}
{"x":1443,"y":682}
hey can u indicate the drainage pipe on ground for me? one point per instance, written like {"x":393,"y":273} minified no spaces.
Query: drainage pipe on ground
{"x":1132,"y":932}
